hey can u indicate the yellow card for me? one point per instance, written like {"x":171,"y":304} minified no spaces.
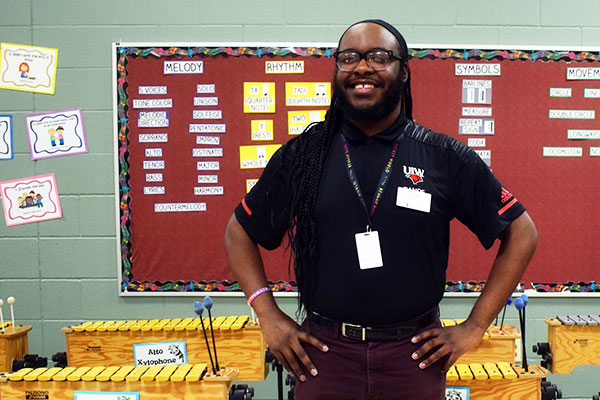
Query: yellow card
{"x":307,"y":93}
{"x":250,"y":184}
{"x":259,"y":97}
{"x":262,"y":129}
{"x":256,"y":156}
{"x":28,"y":68}
{"x":299,"y":120}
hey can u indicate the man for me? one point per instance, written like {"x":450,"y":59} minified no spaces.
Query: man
{"x":366,"y":198}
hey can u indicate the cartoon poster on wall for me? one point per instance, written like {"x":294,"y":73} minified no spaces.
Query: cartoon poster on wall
{"x":55,"y":134}
{"x":32,"y":199}
{"x":28,"y":68}
{"x":6,"y":151}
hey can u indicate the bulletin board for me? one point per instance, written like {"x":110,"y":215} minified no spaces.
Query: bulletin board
{"x":195,"y":125}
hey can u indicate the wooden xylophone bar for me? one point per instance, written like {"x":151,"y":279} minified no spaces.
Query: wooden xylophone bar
{"x":573,"y":341}
{"x":488,"y":381}
{"x":240,"y":343}
{"x":187,"y":381}
{"x":497,"y":345}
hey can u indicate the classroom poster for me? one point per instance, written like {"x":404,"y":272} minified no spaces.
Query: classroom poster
{"x":32,"y":199}
{"x":59,"y":133}
{"x":28,"y":68}
{"x":6,"y":150}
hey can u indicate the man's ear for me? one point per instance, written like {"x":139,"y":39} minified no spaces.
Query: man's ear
{"x":404,"y":72}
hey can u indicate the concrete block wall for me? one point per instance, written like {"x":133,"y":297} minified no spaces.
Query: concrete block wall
{"x":65,"y":271}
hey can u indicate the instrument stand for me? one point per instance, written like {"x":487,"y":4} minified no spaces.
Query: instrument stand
{"x":276,"y":365}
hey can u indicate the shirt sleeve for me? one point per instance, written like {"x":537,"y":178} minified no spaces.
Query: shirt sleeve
{"x":264,"y":211}
{"x":481,"y":202}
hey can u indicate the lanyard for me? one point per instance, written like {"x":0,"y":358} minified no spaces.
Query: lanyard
{"x":383,"y":180}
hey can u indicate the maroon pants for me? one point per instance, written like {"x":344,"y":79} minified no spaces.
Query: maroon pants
{"x":356,"y":370}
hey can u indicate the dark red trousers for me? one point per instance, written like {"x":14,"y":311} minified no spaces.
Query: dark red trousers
{"x":356,"y":370}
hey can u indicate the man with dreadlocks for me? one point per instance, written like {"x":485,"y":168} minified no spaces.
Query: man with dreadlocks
{"x":366,"y":198}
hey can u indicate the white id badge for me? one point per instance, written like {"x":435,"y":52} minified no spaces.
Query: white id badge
{"x":413,"y":199}
{"x":369,"y":250}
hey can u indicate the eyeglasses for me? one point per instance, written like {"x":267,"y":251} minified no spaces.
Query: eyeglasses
{"x":377,"y":59}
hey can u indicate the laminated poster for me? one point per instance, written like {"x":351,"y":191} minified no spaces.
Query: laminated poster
{"x":32,"y":199}
{"x":60,"y":133}
{"x":6,"y":150}
{"x":28,"y":68}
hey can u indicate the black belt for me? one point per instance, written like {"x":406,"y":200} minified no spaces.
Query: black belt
{"x":376,"y":334}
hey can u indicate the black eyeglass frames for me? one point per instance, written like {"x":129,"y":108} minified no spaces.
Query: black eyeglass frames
{"x":377,"y":59}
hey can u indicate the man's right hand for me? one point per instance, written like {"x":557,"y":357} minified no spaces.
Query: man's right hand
{"x":284,"y":337}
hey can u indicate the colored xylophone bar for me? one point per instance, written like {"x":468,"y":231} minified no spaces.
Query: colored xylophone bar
{"x":187,"y":381}
{"x":499,"y":380}
{"x":176,"y":324}
{"x":13,"y":345}
{"x":573,"y":340}
{"x":497,"y":345}
{"x":240,"y":343}
{"x":592,"y":319}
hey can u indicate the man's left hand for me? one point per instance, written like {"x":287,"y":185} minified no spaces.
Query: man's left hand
{"x":451,"y":342}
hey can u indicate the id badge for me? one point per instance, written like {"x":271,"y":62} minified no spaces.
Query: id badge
{"x":413,"y":199}
{"x":369,"y":250}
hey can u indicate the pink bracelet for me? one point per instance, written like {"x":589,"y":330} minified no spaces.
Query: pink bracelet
{"x":256,"y":294}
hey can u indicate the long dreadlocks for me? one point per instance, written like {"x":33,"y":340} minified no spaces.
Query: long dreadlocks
{"x":309,"y":152}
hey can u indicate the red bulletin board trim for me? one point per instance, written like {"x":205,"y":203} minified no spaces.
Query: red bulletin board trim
{"x":128,"y":285}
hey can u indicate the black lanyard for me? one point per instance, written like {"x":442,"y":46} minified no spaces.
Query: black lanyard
{"x":383,"y":180}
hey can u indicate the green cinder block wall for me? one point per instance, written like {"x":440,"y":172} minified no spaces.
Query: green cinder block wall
{"x":64,"y":271}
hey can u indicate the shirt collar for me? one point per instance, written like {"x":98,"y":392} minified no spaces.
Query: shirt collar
{"x":350,"y":131}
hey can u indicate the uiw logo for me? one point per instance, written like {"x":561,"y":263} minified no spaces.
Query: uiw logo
{"x":414,"y":174}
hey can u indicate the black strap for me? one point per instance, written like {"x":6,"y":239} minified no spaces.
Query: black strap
{"x":383,"y":180}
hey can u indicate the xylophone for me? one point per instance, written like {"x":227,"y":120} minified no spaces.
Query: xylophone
{"x":13,"y":344}
{"x":187,"y":381}
{"x":489,"y":380}
{"x":572,"y":340}
{"x":240,"y":343}
{"x":497,"y":345}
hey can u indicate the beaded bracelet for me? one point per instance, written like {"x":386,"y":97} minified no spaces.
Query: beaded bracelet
{"x":256,"y":294}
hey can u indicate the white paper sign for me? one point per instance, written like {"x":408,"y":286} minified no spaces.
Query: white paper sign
{"x":457,"y":393}
{"x":166,"y":353}
{"x":80,"y":395}
{"x":6,"y":149}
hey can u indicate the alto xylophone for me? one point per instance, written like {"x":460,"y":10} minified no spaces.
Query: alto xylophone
{"x":497,"y":345}
{"x":572,"y":340}
{"x":187,"y":381}
{"x":13,"y":345}
{"x":490,"y":380}
{"x":240,"y":343}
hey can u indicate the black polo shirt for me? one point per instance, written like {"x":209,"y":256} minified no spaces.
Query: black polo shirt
{"x":414,"y":244}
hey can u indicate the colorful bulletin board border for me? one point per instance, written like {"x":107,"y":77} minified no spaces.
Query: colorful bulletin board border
{"x":140,"y":50}
{"x":127,"y":284}
{"x":6,"y":146}
{"x":28,"y":68}
{"x":32,"y":199}
{"x":55,"y":134}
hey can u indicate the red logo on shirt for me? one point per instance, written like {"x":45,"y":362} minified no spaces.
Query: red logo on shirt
{"x":414,"y":174}
{"x":506,"y":195}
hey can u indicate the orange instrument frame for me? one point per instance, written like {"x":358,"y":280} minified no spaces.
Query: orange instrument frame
{"x":13,"y":345}
{"x":572,"y":345}
{"x":240,"y":343}
{"x":190,"y":382}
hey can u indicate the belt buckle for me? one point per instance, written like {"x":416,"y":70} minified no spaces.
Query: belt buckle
{"x":362,"y":330}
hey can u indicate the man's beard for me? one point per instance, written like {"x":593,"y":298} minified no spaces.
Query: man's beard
{"x":391,"y":98}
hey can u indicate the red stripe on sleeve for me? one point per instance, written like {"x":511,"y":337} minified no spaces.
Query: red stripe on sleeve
{"x":248,"y":210}
{"x":506,"y":207}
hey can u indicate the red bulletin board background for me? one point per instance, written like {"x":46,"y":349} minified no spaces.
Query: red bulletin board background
{"x":184,"y":251}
